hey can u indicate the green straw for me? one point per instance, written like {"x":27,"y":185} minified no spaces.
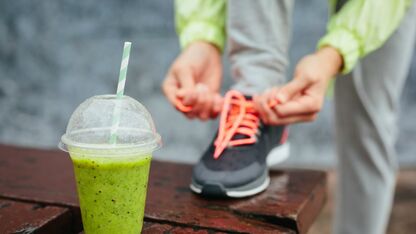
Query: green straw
{"x":120,"y":90}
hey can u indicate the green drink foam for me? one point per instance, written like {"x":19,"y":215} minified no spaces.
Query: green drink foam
{"x":111,"y":190}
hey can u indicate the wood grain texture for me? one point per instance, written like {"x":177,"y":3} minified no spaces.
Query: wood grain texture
{"x":22,"y":217}
{"x":290,"y":204}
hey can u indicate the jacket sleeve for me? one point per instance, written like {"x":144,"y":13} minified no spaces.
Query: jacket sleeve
{"x":362,"y":26}
{"x":200,"y":20}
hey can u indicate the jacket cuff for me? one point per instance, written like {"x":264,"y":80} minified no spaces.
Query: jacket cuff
{"x":202,"y":31}
{"x":346,"y":43}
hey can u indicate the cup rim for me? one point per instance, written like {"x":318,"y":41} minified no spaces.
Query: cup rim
{"x":144,"y":147}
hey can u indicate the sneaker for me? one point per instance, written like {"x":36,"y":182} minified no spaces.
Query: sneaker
{"x":236,"y":162}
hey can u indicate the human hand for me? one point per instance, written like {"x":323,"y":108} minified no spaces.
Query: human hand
{"x":193,"y":81}
{"x":301,"y":99}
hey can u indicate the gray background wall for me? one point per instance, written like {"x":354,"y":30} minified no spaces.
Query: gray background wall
{"x":55,"y":54}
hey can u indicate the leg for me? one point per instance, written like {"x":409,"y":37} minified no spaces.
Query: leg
{"x":366,"y":106}
{"x":258,"y":35}
{"x":258,"y":40}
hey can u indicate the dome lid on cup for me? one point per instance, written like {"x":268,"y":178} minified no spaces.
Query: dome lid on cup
{"x":91,"y":126}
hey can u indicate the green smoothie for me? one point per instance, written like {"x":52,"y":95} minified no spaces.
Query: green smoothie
{"x":111,"y":191}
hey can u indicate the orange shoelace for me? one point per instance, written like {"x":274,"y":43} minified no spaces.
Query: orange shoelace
{"x":237,"y":117}
{"x":181,"y":107}
{"x":185,"y":109}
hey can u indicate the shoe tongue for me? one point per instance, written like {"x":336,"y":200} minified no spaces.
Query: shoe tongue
{"x":248,"y":98}
{"x":239,"y":136}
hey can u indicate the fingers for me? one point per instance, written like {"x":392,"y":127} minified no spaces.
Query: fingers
{"x":205,"y":103}
{"x":197,"y":99}
{"x":181,"y":107}
{"x":287,"y":92}
{"x":297,"y":101}
{"x":269,"y":115}
{"x":264,"y":104}
{"x":178,"y":88}
{"x":271,"y":97}
{"x":185,"y":79}
{"x":170,"y":88}
{"x":294,"y":119}
{"x":199,"y":63}
{"x":266,"y":112}
{"x":217,"y":105}
{"x":202,"y":107}
{"x":299,"y":106}
{"x":257,"y":105}
{"x":186,"y":90}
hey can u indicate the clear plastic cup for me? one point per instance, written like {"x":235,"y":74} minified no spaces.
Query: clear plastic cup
{"x":111,"y":177}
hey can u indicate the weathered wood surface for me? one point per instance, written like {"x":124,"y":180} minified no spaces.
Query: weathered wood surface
{"x":37,"y":175}
{"x":289,"y":205}
{"x":293,"y":200}
{"x":150,"y":228}
{"x":22,"y":217}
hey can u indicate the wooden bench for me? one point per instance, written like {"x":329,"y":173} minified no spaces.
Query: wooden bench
{"x":38,"y":194}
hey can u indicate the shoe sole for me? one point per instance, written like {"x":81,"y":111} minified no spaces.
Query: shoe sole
{"x":218,"y":190}
{"x":277,"y":155}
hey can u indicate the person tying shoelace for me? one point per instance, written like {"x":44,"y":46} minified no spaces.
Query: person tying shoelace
{"x":368,"y":43}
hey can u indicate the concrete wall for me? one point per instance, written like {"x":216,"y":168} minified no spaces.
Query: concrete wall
{"x":55,"y":54}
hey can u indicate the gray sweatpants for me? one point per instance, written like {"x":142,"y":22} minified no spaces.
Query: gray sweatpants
{"x":258,"y":40}
{"x":366,"y":107}
{"x":366,"y":103}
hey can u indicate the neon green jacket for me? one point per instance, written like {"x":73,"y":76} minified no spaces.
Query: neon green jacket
{"x":360,"y":27}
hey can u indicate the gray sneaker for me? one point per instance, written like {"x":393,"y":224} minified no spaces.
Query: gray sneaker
{"x":236,"y":162}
